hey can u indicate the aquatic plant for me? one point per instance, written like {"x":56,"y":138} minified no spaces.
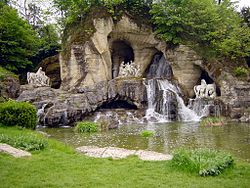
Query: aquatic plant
{"x":205,"y":162}
{"x":86,"y":127}
{"x":147,"y":133}
{"x":213,"y":121}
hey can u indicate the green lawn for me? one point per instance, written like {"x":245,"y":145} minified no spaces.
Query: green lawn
{"x":60,"y":166}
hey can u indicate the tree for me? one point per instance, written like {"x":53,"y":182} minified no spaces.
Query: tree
{"x":48,"y":43}
{"x":207,"y":26}
{"x":18,"y":41}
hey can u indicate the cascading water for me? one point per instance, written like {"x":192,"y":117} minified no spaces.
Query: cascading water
{"x":164,"y":101}
{"x":170,"y":106}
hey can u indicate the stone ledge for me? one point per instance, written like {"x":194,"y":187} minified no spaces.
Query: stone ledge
{"x":13,"y":151}
{"x":120,"y":153}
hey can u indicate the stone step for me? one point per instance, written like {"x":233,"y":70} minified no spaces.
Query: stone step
{"x":120,"y":153}
{"x":13,"y":151}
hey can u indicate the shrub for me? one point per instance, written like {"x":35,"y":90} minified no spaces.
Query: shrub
{"x":240,"y":71}
{"x":205,"y":162}
{"x":147,"y":133}
{"x":212,"y":121}
{"x":28,"y":142}
{"x":86,"y":127}
{"x":21,"y":114}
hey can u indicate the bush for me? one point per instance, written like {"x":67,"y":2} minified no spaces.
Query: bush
{"x":240,"y":71}
{"x":28,"y":142}
{"x":212,"y":121}
{"x":86,"y":127}
{"x":147,"y":133}
{"x":21,"y":114}
{"x":205,"y":162}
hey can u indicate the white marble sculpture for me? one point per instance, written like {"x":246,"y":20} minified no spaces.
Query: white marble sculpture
{"x":205,"y":90}
{"x":38,"y":79}
{"x":129,"y":70}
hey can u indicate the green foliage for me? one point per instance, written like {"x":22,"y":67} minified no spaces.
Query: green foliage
{"x":5,"y":73}
{"x":241,"y":71}
{"x":48,"y":43}
{"x":147,"y":133}
{"x":216,"y":29}
{"x":77,"y":10}
{"x":205,"y":162}
{"x":21,"y":114}
{"x":86,"y":127}
{"x":18,"y":41}
{"x":29,"y":142}
{"x":212,"y":121}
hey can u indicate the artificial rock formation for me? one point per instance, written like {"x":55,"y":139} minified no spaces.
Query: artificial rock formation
{"x":61,"y":108}
{"x":99,"y":58}
{"x":96,"y":70}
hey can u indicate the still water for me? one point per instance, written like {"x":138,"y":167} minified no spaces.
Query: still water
{"x":232,"y":137}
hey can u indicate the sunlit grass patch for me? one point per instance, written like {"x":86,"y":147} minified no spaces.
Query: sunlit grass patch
{"x":205,"y":162}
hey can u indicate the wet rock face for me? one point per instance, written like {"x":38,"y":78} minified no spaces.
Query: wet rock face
{"x":59,"y":108}
{"x":208,"y":107}
{"x":9,"y":87}
{"x":159,"y":68}
{"x":169,"y":107}
{"x":235,"y":94}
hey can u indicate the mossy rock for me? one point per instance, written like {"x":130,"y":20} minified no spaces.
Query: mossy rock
{"x":9,"y":85}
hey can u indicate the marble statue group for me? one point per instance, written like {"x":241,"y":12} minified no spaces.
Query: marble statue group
{"x":129,"y":70}
{"x":205,"y":90}
{"x":38,"y":79}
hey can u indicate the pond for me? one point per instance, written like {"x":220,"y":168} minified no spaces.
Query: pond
{"x":232,"y":137}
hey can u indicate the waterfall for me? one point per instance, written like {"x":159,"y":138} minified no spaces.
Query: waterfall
{"x":165,"y":103}
{"x":206,"y":107}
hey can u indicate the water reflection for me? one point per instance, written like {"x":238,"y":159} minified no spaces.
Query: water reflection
{"x":232,"y":137}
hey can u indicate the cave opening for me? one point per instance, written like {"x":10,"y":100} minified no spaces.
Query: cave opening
{"x":119,"y":104}
{"x":121,"y":52}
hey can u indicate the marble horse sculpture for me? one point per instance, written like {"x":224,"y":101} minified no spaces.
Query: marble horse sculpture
{"x":205,"y":90}
{"x":38,"y":79}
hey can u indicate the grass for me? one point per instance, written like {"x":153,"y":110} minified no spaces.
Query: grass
{"x":204,"y":162}
{"x":59,"y":165}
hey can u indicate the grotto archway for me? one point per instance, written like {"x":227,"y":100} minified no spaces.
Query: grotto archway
{"x":121,"y":52}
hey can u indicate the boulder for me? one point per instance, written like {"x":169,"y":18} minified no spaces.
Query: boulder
{"x":9,"y":86}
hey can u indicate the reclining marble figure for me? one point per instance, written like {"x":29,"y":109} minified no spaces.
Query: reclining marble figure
{"x":205,"y":90}
{"x":38,"y":79}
